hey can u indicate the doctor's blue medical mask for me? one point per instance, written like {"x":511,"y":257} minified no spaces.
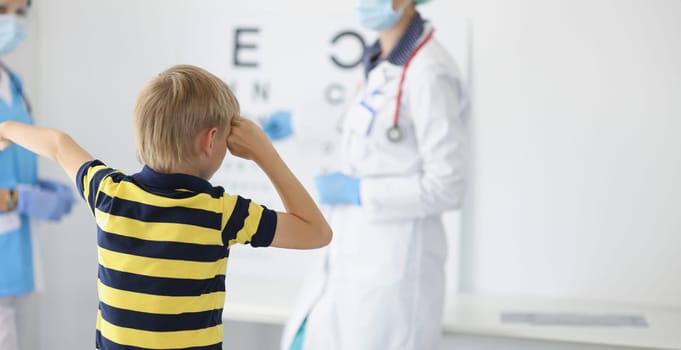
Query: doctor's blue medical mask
{"x":378,"y":15}
{"x":12,"y":33}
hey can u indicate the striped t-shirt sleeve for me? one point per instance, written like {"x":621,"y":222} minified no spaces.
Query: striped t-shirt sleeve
{"x":88,"y":179}
{"x":248,"y":222}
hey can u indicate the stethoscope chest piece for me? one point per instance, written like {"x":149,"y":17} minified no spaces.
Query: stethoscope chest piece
{"x":394,"y":134}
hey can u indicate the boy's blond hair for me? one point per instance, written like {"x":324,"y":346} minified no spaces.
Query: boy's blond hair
{"x":173,"y":108}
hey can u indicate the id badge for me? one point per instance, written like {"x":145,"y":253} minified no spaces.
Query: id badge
{"x":362,"y":119}
{"x":9,"y":222}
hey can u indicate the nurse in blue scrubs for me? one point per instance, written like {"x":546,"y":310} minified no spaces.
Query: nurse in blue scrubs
{"x":22,"y":195}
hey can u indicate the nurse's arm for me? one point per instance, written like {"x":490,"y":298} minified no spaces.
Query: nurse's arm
{"x":49,"y":143}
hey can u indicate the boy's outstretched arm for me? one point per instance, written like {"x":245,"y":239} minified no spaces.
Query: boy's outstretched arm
{"x":302,"y":226}
{"x":49,"y":143}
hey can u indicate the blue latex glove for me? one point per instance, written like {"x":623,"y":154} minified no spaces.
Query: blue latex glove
{"x":48,"y":201}
{"x":337,"y":188}
{"x":278,"y":126}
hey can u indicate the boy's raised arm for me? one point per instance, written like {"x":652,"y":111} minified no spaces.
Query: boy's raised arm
{"x":49,"y":143}
{"x":302,"y":226}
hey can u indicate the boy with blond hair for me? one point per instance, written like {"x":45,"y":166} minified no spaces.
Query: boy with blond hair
{"x":164,"y":233}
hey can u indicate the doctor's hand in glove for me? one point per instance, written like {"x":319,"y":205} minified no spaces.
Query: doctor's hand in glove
{"x":48,"y":200}
{"x":337,"y":189}
{"x":278,"y":126}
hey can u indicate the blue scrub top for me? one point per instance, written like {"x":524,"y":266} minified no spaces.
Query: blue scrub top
{"x":17,"y":166}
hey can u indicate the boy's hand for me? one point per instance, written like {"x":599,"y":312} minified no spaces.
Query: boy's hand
{"x":4,"y":143}
{"x":246,"y":140}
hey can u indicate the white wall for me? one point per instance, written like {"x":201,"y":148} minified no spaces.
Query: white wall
{"x":576,"y":150}
{"x":574,"y":141}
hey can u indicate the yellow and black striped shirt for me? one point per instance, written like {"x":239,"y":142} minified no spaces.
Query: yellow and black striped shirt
{"x":163,"y":242}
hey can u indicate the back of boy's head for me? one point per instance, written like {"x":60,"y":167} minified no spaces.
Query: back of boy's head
{"x":173,"y":108}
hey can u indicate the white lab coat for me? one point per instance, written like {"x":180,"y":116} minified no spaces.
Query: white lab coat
{"x":381,"y":285}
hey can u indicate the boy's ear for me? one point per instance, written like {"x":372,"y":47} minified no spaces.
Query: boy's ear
{"x":206,"y":140}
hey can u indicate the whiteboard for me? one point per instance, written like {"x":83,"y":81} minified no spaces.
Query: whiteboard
{"x":273,"y":60}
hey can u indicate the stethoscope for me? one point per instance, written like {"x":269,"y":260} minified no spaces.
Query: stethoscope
{"x":394,"y":133}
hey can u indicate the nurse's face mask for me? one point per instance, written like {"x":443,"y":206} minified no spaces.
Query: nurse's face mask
{"x":378,"y":15}
{"x":12,"y":31}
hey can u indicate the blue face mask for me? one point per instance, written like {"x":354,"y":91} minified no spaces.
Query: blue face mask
{"x":377,"y":15}
{"x":12,"y":33}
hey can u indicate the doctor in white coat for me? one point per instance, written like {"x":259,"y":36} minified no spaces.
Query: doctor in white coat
{"x":382,"y":283}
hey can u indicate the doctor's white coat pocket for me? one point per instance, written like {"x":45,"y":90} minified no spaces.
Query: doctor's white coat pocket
{"x":9,"y":222}
{"x":379,"y":252}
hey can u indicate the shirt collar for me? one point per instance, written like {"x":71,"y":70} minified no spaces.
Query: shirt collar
{"x":400,"y":53}
{"x":152,"y":178}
